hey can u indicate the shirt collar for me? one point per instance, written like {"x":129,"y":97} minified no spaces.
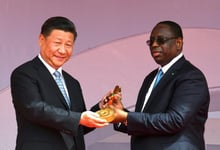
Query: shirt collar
{"x":167,"y":66}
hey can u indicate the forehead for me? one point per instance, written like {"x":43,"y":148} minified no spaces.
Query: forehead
{"x":58,"y":31}
{"x":161,"y":30}
{"x":60,"y":34}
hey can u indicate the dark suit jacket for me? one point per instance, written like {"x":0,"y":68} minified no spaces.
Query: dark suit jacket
{"x":175,"y":114}
{"x":43,"y":118}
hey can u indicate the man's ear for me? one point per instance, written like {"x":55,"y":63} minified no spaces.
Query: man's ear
{"x":40,"y":39}
{"x":179,"y":43}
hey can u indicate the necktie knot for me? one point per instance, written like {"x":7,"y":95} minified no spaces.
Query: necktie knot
{"x":57,"y":74}
{"x":158,"y":77}
{"x":160,"y":73}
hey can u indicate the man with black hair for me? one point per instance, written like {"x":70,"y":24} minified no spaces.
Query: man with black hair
{"x":49,"y":104}
{"x":173,"y":102}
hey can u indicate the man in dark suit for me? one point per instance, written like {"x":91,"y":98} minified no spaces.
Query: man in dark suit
{"x":170,"y":115}
{"x":48,"y":119}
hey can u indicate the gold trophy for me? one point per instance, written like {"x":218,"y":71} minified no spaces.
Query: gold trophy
{"x":108,"y":113}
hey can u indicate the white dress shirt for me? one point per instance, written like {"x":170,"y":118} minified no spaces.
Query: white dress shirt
{"x":164,"y":69}
{"x":52,"y":70}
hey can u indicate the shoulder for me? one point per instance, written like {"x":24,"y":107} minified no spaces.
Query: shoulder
{"x":29,"y":64}
{"x":69,"y":77}
{"x":185,"y":67}
{"x":189,"y":68}
{"x":29,"y":68}
{"x":189,"y":74}
{"x":151,"y":75}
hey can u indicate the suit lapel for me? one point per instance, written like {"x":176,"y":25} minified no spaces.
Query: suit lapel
{"x":144,"y":89}
{"x":51,"y":84}
{"x":169,"y":75}
{"x":68,"y":86}
{"x":156,"y":91}
{"x":73,"y":94}
{"x":47,"y":78}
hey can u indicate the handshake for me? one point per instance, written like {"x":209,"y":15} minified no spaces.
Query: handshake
{"x":111,"y":111}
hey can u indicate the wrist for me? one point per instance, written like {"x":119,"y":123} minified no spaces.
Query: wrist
{"x":125,"y":117}
{"x":125,"y":121}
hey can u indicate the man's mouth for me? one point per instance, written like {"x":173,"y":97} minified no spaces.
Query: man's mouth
{"x":155,"y":53}
{"x":60,"y":57}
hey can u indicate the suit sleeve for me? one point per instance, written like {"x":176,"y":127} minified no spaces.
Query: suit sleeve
{"x":188,"y":104}
{"x":30,"y":105}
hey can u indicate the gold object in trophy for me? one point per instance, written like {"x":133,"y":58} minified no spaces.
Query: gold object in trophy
{"x":108,"y":113}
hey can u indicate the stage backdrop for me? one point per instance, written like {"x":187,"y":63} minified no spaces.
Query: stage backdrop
{"x":110,"y":50}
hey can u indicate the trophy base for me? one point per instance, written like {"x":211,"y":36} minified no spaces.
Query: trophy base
{"x":107,"y":114}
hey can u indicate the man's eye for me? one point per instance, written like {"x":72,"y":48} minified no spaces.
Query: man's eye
{"x":57,"y":43}
{"x":69,"y":45}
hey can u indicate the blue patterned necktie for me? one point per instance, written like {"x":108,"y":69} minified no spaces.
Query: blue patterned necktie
{"x":61,"y":86}
{"x":159,"y":76}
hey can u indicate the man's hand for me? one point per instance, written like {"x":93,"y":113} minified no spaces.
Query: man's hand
{"x":92,"y":120}
{"x":116,"y":101}
{"x":120,"y":115}
{"x":113,"y":97}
